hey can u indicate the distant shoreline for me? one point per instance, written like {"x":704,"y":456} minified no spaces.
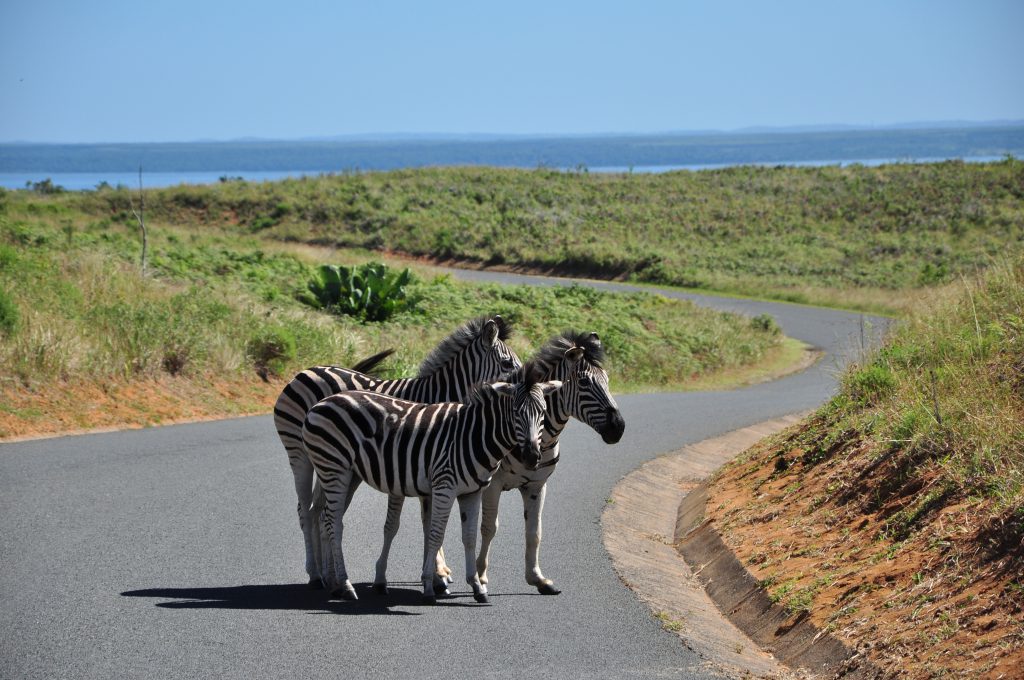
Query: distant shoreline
{"x":85,"y":181}
{"x":82,"y":166}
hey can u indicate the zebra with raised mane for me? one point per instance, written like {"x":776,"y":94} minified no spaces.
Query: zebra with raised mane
{"x":441,"y":451}
{"x":474,"y":352}
{"x":577,"y":360}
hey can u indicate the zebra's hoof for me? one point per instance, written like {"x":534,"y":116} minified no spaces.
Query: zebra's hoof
{"x":344,"y":594}
{"x":547,"y":589}
{"x":429,"y":599}
{"x":316,"y":584}
{"x":380,"y":588}
{"x":481,"y":598}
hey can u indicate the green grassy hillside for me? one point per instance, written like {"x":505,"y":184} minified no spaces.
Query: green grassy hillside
{"x":853,"y":236}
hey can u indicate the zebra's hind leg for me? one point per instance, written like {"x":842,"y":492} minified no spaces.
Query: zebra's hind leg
{"x":391,"y":524}
{"x":444,"y":574}
{"x":440,"y":580}
{"x":490,"y":498}
{"x":441,"y":499}
{"x":533,"y":508}
{"x":321,"y":542}
{"x":302,"y":471}
{"x":337,"y":502}
{"x":469,"y":505}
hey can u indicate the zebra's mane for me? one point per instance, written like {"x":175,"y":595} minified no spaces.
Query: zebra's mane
{"x":460,"y":338}
{"x":553,"y":352}
{"x":528,"y":374}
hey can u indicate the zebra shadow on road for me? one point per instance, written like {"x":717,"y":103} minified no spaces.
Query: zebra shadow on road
{"x":298,"y":597}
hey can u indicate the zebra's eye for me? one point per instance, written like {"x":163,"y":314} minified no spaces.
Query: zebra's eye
{"x":583,"y":380}
{"x":507,"y":365}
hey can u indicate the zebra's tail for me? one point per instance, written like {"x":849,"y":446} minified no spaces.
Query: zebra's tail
{"x":371,"y":363}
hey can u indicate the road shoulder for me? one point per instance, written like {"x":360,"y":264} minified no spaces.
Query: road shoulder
{"x":638,"y":527}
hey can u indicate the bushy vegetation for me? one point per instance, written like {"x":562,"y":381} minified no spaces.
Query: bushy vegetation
{"x":74,"y":307}
{"x":842,"y":235}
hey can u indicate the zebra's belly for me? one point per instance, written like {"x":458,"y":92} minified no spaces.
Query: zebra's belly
{"x":393,"y":475}
{"x":512,"y":474}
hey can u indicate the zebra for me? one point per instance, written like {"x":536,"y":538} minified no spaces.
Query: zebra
{"x":474,"y":352}
{"x":576,"y":359}
{"x":440,"y":451}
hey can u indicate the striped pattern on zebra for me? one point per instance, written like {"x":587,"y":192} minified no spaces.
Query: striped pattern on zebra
{"x":576,"y":359}
{"x":441,"y":451}
{"x":474,"y":352}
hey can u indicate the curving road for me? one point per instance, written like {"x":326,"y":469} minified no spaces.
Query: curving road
{"x":175,"y":551}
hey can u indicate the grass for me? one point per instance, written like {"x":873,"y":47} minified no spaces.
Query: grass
{"x":856,"y":237}
{"x":896,"y":510}
{"x":219,"y":308}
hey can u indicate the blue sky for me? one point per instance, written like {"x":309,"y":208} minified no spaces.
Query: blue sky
{"x":185,"y":70}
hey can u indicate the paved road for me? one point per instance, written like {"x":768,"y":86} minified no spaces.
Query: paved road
{"x":175,"y":552}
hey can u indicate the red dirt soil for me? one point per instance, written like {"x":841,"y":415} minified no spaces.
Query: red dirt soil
{"x":66,"y":408}
{"x":946,"y":600}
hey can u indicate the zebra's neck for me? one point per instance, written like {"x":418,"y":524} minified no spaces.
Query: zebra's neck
{"x":555,"y":419}
{"x":485,"y":434}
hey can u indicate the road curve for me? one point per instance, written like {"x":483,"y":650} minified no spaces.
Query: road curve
{"x":175,"y":552}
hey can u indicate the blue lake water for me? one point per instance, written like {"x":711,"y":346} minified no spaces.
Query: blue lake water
{"x":77,"y":181}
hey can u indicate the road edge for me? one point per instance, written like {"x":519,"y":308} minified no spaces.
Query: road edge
{"x":638,"y":531}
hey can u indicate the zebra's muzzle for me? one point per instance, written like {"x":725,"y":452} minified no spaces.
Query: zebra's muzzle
{"x":530,"y":455}
{"x":614,"y":428}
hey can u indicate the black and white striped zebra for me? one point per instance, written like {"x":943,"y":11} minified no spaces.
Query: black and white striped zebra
{"x":577,"y":360}
{"x":441,"y":451}
{"x":473,"y":353}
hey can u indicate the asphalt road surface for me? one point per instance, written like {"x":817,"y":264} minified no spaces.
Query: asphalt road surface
{"x":175,"y":551}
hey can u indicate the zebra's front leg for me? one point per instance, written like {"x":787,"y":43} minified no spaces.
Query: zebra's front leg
{"x":441,"y":499}
{"x":533,"y":508}
{"x":488,"y":524}
{"x":469,"y":506}
{"x":441,"y":571}
{"x":337,"y":500}
{"x":391,"y":524}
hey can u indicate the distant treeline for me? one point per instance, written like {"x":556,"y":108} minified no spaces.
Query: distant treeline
{"x":567,"y":152}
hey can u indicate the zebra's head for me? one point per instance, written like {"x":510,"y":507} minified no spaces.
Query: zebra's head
{"x":476,"y":352}
{"x":498,"y":358}
{"x":528,"y":407}
{"x":577,"y":359}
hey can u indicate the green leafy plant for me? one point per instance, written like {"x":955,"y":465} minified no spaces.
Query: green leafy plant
{"x":368,"y":292}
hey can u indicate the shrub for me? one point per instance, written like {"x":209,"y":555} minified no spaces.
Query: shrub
{"x":766,"y":324}
{"x":871,"y":383}
{"x":8,"y":314}
{"x":271,"y":349}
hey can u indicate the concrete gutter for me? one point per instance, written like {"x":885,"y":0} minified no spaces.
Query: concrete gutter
{"x":664,"y":551}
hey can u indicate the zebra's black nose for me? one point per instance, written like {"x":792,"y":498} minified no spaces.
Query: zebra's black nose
{"x":530,"y":456}
{"x":614,"y":428}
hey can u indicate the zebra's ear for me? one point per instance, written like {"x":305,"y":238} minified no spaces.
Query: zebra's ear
{"x":504,"y":389}
{"x":574,"y":354}
{"x":549,"y":386}
{"x":489,"y":333}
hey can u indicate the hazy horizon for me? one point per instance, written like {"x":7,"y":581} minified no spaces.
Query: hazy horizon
{"x":398,"y":136}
